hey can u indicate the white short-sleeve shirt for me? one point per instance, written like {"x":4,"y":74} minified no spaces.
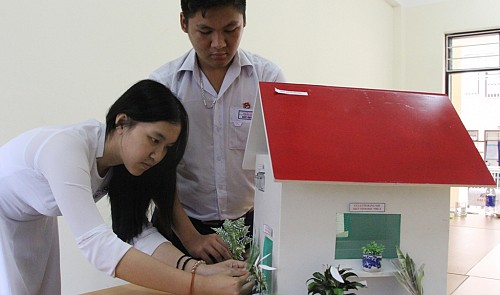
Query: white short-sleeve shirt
{"x":212,"y":185}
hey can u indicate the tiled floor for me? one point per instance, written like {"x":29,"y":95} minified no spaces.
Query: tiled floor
{"x":474,"y":255}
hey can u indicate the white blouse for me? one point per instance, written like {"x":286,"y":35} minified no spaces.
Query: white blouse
{"x":48,"y":172}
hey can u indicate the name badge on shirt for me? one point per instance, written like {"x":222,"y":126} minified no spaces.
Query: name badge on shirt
{"x":240,"y":116}
{"x":245,"y":114}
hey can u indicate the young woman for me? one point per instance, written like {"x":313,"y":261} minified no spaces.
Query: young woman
{"x":64,"y":170}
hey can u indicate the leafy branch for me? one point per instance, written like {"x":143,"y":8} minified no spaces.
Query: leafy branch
{"x":255,"y":266}
{"x":235,"y":234}
{"x":407,"y":274}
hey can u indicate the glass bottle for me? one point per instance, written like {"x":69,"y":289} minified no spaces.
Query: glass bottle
{"x":490,"y":202}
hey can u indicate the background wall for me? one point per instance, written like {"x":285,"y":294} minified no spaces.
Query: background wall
{"x":342,"y":43}
{"x":63,"y":61}
{"x":422,"y":42}
{"x":79,"y":56}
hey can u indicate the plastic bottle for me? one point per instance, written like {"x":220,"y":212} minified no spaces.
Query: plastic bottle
{"x":490,"y":202}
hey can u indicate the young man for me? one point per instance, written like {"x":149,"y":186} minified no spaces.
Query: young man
{"x":218,"y":84}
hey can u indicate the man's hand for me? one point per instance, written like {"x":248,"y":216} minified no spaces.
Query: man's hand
{"x":210,"y":248}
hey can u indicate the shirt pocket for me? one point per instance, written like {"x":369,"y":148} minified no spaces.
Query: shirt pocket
{"x":239,"y":127}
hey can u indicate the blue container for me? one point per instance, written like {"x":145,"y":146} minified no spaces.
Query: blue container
{"x":372,"y":263}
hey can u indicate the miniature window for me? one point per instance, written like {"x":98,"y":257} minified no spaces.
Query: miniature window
{"x":355,"y":230}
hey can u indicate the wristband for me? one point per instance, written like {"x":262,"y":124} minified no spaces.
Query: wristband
{"x":179,"y":260}
{"x":185,"y":262}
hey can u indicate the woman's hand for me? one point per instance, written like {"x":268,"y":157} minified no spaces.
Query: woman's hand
{"x":230,"y":267}
{"x":233,"y":282}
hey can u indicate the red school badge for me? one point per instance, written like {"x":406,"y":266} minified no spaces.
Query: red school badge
{"x":246,"y":105}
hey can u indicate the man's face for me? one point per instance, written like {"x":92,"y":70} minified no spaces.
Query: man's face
{"x":216,"y":36}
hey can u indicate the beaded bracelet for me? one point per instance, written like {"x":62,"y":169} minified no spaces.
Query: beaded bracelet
{"x":193,"y":273}
{"x":179,"y":260}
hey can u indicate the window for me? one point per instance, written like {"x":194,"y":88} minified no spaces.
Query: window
{"x":355,"y":230}
{"x":473,"y":85}
{"x":492,"y":146}
{"x":473,"y":51}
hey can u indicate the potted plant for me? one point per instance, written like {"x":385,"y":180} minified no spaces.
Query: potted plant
{"x":407,"y":274}
{"x":372,"y":256}
{"x":333,"y":281}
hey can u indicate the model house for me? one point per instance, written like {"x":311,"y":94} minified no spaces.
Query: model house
{"x":337,"y":167}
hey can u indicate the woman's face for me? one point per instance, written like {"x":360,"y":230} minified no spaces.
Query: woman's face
{"x":145,"y":144}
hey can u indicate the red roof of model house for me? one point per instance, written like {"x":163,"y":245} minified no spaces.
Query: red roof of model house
{"x":340,"y":134}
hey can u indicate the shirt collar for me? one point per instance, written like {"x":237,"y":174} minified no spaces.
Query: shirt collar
{"x":240,"y":60}
{"x":101,"y":137}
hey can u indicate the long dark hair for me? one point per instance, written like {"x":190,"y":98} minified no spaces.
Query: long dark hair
{"x":130,"y":196}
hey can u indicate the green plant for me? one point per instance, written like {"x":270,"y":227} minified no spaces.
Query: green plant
{"x":373,"y":248}
{"x":407,"y":274}
{"x":235,"y":234}
{"x":332,"y":278}
{"x":255,"y":266}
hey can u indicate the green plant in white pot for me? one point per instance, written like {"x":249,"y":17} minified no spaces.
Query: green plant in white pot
{"x":372,"y":256}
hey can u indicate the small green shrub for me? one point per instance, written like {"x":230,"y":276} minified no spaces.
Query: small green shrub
{"x":373,"y":248}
